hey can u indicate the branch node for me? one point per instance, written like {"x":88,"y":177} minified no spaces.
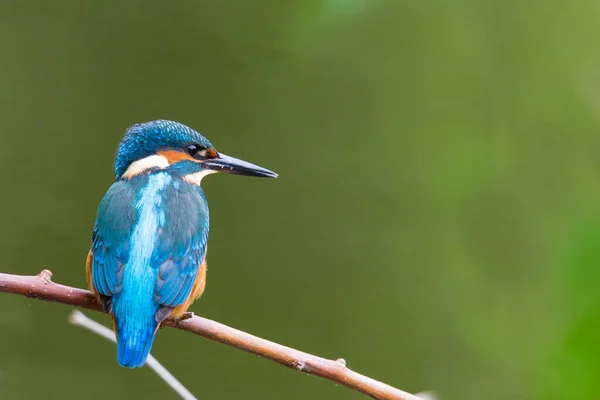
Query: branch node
{"x":46,"y":276}
{"x":299,"y":365}
{"x":341,"y":361}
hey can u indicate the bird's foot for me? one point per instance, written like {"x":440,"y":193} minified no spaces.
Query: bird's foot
{"x":186,"y":315}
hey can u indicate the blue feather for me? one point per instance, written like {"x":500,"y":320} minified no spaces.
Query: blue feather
{"x":133,"y":346}
{"x":135,"y":308}
{"x":110,"y":243}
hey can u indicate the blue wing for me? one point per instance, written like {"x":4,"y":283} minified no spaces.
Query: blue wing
{"x":181,"y":245}
{"x":110,"y":241}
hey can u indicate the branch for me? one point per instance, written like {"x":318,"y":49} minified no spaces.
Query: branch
{"x":79,"y":319}
{"x":41,"y":287}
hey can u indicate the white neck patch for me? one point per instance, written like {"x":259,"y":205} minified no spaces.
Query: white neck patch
{"x":139,"y":166}
{"x":196,"y":178}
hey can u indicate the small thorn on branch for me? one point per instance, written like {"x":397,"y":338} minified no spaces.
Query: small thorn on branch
{"x":341,"y":361}
{"x":46,"y":276}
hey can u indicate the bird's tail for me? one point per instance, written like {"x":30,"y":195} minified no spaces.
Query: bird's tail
{"x":134,"y":343}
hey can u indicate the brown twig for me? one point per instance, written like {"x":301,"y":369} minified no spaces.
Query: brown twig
{"x":41,"y":287}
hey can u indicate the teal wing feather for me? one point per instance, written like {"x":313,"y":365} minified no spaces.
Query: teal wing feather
{"x":181,"y":246}
{"x":111,"y":239}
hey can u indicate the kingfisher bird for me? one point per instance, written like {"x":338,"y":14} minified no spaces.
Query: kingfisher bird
{"x":148,"y":255}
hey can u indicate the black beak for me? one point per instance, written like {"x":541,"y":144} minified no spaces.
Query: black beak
{"x":230,"y":165}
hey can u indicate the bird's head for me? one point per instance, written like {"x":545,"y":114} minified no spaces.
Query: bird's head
{"x":170,"y":145}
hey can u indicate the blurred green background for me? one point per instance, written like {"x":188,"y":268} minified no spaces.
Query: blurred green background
{"x":436,"y":221}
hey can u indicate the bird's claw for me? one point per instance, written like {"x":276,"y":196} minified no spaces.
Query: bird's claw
{"x":186,"y":315}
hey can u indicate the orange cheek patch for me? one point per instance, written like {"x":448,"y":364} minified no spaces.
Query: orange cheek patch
{"x":174,"y":156}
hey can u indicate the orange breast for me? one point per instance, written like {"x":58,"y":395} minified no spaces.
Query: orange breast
{"x":88,"y":272}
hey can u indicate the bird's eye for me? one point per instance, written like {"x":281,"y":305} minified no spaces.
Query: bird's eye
{"x":195,"y":151}
{"x":192,"y":150}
